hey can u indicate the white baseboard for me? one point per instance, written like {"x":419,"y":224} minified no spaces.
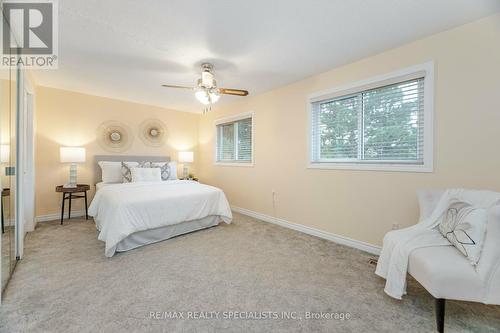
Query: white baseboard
{"x":370,"y":248}
{"x":367,"y":247}
{"x":57,"y":216}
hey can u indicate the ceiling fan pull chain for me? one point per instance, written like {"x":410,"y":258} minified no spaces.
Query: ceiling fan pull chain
{"x":207,"y":109}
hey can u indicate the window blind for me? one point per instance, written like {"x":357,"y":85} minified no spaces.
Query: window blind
{"x":234,"y":141}
{"x":380,"y":125}
{"x":245,"y":140}
{"x":227,"y":142}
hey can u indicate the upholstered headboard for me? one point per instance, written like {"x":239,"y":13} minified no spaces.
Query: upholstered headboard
{"x":123,"y":158}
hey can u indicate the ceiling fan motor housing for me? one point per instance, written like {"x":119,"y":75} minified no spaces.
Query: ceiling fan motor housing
{"x":207,"y":77}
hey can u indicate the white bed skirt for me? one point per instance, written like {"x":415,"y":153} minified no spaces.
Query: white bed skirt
{"x":150,"y":236}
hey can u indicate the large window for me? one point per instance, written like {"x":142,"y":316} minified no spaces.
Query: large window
{"x":381,"y":125}
{"x":234,"y":142}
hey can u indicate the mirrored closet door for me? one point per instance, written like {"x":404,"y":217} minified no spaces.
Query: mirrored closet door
{"x":8,"y":152}
{"x":4,"y":162}
{"x":8,"y":112}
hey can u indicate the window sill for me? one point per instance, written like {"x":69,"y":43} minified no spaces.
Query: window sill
{"x":372,"y":167}
{"x":231,"y":164}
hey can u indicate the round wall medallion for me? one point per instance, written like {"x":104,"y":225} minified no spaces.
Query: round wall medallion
{"x":114,"y":136}
{"x":153,"y":132}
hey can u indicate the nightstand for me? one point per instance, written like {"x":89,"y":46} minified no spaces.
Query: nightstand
{"x":70,"y":193}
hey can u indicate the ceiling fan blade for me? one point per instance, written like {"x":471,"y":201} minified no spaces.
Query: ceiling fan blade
{"x":174,"y":86}
{"x":236,"y":92}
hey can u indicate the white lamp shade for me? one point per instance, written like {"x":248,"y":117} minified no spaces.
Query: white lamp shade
{"x":72,"y":154}
{"x":186,"y":157}
{"x":5,"y":153}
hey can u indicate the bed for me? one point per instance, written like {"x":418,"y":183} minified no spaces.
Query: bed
{"x":130,"y":215}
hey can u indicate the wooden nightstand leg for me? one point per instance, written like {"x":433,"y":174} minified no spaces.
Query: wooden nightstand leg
{"x":86,"y":208}
{"x":69,"y":211}
{"x":62,"y":210}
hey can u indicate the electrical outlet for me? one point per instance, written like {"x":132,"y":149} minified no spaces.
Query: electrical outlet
{"x":396,"y":226}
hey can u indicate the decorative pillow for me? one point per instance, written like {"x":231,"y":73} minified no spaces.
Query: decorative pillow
{"x":145,"y":174}
{"x":427,"y":201}
{"x":465,"y":227}
{"x":111,"y":172}
{"x":163,"y":166}
{"x":125,"y":170}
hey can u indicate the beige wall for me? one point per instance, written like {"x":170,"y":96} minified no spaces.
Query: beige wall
{"x":65,"y":118}
{"x":363,"y":205}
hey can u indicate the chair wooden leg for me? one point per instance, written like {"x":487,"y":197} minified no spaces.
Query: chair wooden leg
{"x":440,"y":309}
{"x":86,"y":207}
{"x":3,"y":227}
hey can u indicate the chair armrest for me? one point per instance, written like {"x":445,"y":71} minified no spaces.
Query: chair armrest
{"x":489,"y":263}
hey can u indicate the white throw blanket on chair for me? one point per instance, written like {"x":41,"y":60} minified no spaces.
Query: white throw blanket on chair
{"x":398,"y":244}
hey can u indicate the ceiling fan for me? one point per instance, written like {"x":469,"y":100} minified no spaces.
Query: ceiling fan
{"x":206,"y":90}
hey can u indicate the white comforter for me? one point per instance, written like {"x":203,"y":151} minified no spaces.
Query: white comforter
{"x":120,"y":210}
{"x":398,"y":244}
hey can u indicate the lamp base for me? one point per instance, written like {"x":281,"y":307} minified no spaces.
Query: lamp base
{"x":72,"y":177}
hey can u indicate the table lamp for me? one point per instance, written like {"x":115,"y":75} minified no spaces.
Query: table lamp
{"x":185,"y":157}
{"x":72,"y":155}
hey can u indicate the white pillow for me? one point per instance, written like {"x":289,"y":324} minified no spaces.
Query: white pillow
{"x":172,"y":166}
{"x":146,"y":174}
{"x":427,"y":201}
{"x":111,"y":171}
{"x":164,"y":167}
{"x":173,"y":170}
{"x":465,"y":227}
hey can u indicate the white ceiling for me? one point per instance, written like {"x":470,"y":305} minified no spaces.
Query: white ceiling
{"x":126,"y":49}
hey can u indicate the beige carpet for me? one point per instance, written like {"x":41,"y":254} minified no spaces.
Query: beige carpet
{"x":65,"y":284}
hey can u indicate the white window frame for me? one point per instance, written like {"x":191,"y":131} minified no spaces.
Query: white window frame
{"x":232,"y":119}
{"x":427,"y":71}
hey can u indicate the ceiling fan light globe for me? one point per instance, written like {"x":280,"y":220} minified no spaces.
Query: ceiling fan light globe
{"x":202,"y":97}
{"x":214,"y":97}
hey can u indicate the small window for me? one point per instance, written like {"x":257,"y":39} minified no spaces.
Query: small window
{"x":234,"y":142}
{"x":380,"y":126}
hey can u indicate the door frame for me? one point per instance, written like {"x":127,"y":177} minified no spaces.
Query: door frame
{"x":25,"y":179}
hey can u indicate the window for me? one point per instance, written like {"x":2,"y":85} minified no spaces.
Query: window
{"x":379,"y":125}
{"x":234,"y":144}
